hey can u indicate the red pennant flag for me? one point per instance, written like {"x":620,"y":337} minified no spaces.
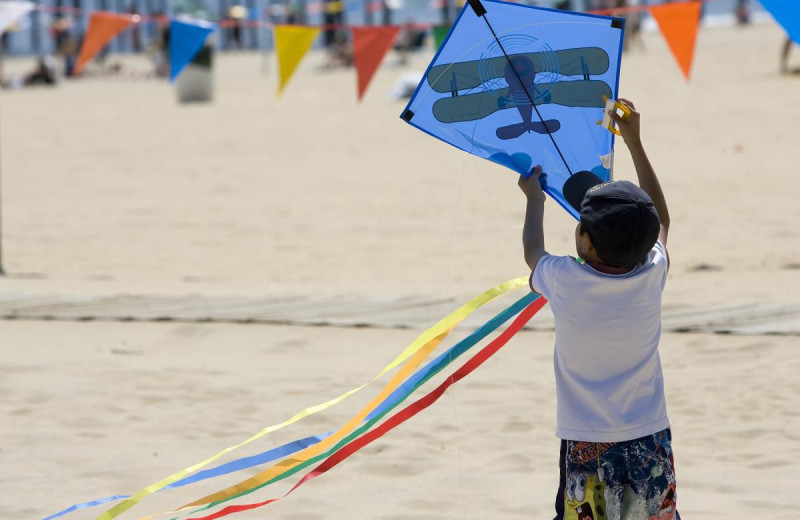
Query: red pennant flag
{"x":103,"y":27}
{"x":370,"y":45}
{"x":679,"y":23}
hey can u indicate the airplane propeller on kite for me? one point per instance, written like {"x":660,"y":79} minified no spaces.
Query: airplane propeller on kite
{"x":526,"y":87}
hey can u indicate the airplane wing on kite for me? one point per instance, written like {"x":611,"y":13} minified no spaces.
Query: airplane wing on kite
{"x":521,"y":85}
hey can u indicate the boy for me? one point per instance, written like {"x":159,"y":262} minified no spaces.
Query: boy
{"x":616,"y":459}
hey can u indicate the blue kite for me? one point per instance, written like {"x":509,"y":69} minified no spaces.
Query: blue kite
{"x":520,"y":86}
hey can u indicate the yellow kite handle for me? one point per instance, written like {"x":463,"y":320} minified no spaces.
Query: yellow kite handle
{"x":614,"y":105}
{"x":626,"y":111}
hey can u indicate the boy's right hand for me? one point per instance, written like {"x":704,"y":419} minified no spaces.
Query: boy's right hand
{"x":531,"y":185}
{"x":629,"y":126}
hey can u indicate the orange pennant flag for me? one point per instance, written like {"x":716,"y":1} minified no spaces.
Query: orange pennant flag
{"x":103,"y":27}
{"x":679,"y":24}
{"x":370,"y":45}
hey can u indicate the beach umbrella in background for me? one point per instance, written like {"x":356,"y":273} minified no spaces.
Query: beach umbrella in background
{"x":104,"y":26}
{"x":370,"y":45}
{"x":292,"y":42}
{"x":520,"y":85}
{"x":679,"y":24}
{"x":787,"y":14}
{"x":10,"y":12}
{"x":186,"y":38}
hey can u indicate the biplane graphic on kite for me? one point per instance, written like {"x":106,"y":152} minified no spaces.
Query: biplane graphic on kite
{"x":522,"y":85}
{"x":575,"y":88}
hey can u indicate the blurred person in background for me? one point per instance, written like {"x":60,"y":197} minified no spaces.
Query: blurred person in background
{"x":44,"y":73}
{"x":742,"y":12}
{"x":787,"y":47}
{"x":66,"y":44}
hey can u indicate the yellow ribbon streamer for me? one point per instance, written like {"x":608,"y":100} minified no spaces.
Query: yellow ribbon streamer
{"x":442,"y":328}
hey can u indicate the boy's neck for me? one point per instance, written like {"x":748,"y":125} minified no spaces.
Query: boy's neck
{"x":607,"y":269}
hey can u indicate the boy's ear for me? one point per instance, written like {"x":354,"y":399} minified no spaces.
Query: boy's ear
{"x":586,"y":239}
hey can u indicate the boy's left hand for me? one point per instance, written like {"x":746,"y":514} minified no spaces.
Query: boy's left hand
{"x":531,"y":186}
{"x":629,"y":126}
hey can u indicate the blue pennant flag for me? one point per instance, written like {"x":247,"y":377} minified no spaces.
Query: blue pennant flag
{"x":521,"y":85}
{"x":787,"y":14}
{"x":186,"y":38}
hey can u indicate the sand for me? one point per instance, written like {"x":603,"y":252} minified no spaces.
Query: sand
{"x":109,"y":186}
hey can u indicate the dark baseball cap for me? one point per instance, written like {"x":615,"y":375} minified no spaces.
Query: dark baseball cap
{"x":619,"y":216}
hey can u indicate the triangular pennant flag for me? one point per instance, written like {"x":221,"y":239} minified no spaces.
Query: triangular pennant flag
{"x":186,"y":38}
{"x":291,"y":44}
{"x":787,"y":14}
{"x":370,"y":45}
{"x":679,"y":23}
{"x":103,"y":27}
{"x":439,"y":34}
{"x":10,"y":12}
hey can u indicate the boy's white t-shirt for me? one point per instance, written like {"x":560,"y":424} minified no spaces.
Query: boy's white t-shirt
{"x":609,"y":383}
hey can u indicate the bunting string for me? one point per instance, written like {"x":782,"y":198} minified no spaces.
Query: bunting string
{"x":678,"y":22}
{"x":228,"y":23}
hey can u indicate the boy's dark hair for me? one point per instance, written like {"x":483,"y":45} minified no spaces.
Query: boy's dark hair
{"x":619,"y":216}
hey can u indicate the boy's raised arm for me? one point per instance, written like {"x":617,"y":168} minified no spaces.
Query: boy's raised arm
{"x":533,"y":229}
{"x":648,"y":181}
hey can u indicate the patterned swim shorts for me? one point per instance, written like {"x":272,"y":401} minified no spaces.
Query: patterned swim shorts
{"x":631,"y":480}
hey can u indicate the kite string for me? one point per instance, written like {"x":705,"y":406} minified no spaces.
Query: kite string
{"x":462,"y":168}
{"x":480,"y":177}
{"x":452,"y":240}
{"x":453,"y":400}
{"x":458,"y":455}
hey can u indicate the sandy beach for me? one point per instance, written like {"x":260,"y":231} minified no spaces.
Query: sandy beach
{"x":109,"y":187}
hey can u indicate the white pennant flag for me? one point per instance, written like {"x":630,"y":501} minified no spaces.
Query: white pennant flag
{"x":10,"y":12}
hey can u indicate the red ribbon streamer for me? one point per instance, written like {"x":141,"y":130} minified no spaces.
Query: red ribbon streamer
{"x":403,"y":415}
